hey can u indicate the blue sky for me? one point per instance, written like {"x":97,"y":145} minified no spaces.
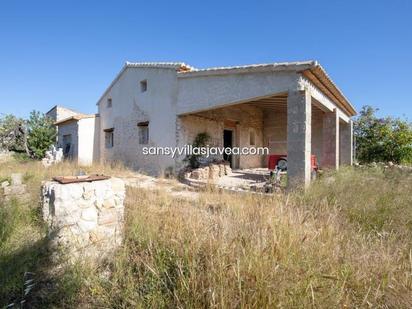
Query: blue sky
{"x":67,"y":52}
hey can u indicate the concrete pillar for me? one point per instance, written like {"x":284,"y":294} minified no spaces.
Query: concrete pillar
{"x":299,"y":107}
{"x":330,"y":157}
{"x":346,"y":143}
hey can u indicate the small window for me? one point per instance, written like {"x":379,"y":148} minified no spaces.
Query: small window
{"x":67,"y":142}
{"x":143,"y":132}
{"x":143,"y":85}
{"x":109,"y":103}
{"x":252,"y":137}
{"x":108,"y":138}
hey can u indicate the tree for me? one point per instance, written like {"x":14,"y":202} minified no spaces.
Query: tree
{"x":41,"y":134}
{"x":382,"y":139}
{"x":13,"y":134}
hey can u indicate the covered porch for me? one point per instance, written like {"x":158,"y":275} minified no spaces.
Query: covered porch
{"x":293,"y":109}
{"x":293,"y":124}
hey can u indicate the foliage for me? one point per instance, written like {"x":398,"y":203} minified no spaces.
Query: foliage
{"x":382,"y":139}
{"x":33,"y":136}
{"x":12,"y":133}
{"x":200,"y":141}
{"x":21,"y":156}
{"x":41,"y":134}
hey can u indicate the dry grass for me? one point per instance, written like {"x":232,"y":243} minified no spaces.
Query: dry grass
{"x":23,"y":242}
{"x":345,"y":243}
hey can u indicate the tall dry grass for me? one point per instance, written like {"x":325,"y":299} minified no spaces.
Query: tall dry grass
{"x":346,"y":242}
{"x":23,"y":241}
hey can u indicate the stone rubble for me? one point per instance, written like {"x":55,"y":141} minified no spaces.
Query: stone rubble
{"x":52,"y":156}
{"x":15,"y":189}
{"x":85,"y":218}
{"x":5,"y":155}
{"x":211,"y":172}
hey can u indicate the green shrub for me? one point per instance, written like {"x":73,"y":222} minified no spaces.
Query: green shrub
{"x":382,"y":139}
{"x":200,"y":141}
{"x":41,"y":134}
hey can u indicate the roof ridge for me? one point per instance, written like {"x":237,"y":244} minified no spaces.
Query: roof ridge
{"x":256,"y":65}
{"x":160,"y":64}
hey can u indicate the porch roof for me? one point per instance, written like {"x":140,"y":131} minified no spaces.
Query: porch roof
{"x":74,"y":118}
{"x":312,"y":70}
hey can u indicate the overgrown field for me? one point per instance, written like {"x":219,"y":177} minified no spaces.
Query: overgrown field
{"x":345,"y":243}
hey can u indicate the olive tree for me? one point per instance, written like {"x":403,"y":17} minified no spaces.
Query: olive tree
{"x":32,"y":136}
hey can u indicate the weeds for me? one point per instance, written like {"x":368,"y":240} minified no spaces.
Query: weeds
{"x":327,"y":248}
{"x":346,"y":242}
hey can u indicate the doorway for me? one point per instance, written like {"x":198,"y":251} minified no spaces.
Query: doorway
{"x":228,"y":143}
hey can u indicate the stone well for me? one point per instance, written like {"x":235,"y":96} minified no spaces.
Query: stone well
{"x":85,"y":218}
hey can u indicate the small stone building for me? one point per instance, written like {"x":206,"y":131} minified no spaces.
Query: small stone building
{"x":293,"y":108}
{"x":77,"y":136}
{"x":57,"y":113}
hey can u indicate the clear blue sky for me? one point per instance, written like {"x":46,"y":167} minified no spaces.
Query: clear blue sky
{"x":67,"y":52}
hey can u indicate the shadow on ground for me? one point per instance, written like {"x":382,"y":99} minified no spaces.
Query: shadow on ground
{"x":31,"y":278}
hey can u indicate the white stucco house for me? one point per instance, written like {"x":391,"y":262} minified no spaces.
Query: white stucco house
{"x":293,"y":108}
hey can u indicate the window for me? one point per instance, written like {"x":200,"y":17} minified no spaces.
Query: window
{"x":108,"y":138}
{"x":109,"y":103}
{"x":143,"y":132}
{"x":67,"y":143}
{"x":143,"y":85}
{"x":252,"y":137}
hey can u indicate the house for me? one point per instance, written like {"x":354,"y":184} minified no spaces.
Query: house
{"x":293,"y":108}
{"x":76,"y":134}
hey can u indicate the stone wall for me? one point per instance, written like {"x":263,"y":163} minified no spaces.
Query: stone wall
{"x":86,"y":219}
{"x":317,"y":133}
{"x":131,"y":106}
{"x":210,"y":172}
{"x":69,"y":128}
{"x":275,"y":130}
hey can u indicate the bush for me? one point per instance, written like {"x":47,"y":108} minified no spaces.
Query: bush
{"x":28,"y":138}
{"x":200,"y":141}
{"x":12,"y":130}
{"x":382,"y":139}
{"x":41,"y":134}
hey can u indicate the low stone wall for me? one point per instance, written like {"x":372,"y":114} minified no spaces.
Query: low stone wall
{"x":86,"y":219}
{"x":212,"y":171}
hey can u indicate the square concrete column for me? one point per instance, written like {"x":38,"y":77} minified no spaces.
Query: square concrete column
{"x":330,"y":157}
{"x":346,"y":143}
{"x":299,"y":127}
